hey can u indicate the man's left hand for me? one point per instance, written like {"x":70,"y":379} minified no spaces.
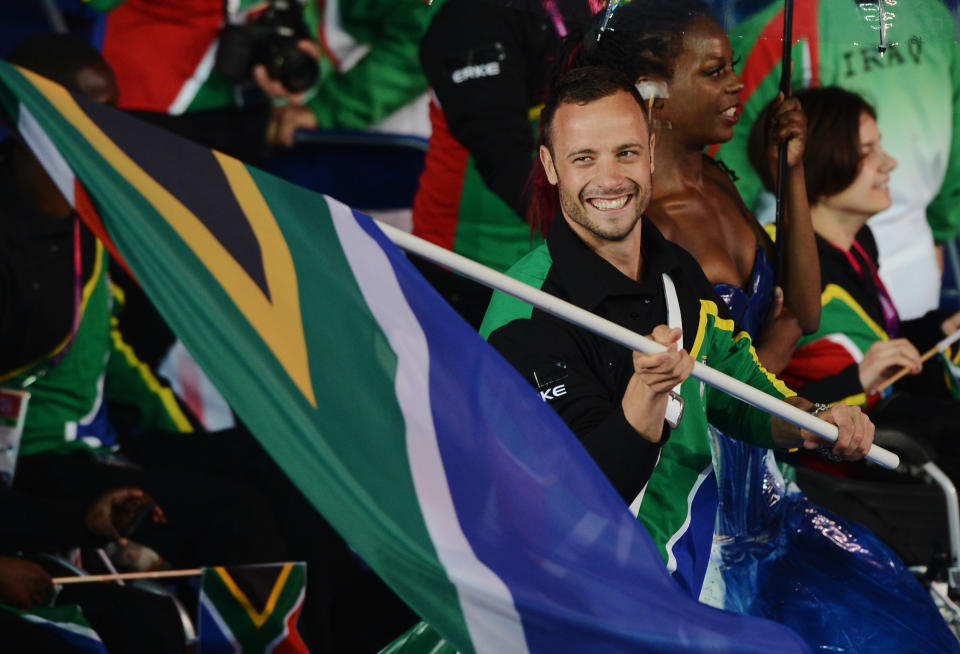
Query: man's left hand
{"x":856,"y":432}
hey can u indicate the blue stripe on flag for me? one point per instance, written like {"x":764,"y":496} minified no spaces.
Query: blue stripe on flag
{"x":213,"y":635}
{"x":583,"y":573}
{"x":692,"y":549}
{"x":77,"y":639}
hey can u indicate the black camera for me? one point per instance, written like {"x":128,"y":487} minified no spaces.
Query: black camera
{"x":270,"y":39}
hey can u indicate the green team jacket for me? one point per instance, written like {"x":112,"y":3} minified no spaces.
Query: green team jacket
{"x":368,"y":67}
{"x":530,"y":338}
{"x":915,"y":87}
{"x":65,"y":409}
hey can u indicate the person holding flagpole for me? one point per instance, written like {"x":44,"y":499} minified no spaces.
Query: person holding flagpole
{"x":640,"y":417}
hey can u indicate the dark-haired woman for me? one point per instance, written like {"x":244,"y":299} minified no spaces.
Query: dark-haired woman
{"x":861,"y":341}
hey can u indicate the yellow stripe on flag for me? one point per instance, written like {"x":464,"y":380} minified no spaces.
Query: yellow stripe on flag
{"x":256,"y":617}
{"x":276,"y":319}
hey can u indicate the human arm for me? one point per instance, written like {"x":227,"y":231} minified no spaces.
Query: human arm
{"x":553,"y":358}
{"x":23,"y":584}
{"x":644,"y":402}
{"x":28,"y":522}
{"x":855,"y":430}
{"x":734,"y":355}
{"x":786,"y":123}
{"x":116,"y":513}
{"x":779,"y":335}
{"x":387,"y":77}
{"x":487,"y":109}
{"x":943,"y":212}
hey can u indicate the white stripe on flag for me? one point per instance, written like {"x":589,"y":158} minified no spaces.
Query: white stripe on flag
{"x":286,"y":630}
{"x":72,"y":627}
{"x":216,"y":617}
{"x":47,"y":153}
{"x":347,"y":50}
{"x":846,"y":343}
{"x":807,"y":65}
{"x":485,"y":600}
{"x":671,"y":559}
{"x":189,"y":90}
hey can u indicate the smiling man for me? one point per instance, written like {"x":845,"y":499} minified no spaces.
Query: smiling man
{"x":639,"y":416}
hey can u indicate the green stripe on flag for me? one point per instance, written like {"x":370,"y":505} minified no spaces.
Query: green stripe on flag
{"x":363,"y":486}
{"x":254,"y":627}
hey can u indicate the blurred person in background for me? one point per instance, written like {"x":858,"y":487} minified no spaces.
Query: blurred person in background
{"x":338,"y":65}
{"x":861,"y":340}
{"x":915,"y":86}
{"x":487,"y":62}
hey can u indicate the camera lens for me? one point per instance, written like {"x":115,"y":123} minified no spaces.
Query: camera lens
{"x":298,"y":70}
{"x":235,"y":53}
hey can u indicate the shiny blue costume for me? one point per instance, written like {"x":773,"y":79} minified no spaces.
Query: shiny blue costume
{"x":779,"y":556}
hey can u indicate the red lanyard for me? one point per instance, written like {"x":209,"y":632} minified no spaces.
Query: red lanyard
{"x":558,"y":23}
{"x":890,"y":318}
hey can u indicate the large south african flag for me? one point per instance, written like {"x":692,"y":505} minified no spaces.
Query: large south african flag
{"x":431,"y":456}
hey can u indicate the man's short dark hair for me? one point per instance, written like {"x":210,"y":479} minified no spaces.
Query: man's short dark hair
{"x":583,"y":86}
{"x":831,"y":153}
{"x":58,"y":57}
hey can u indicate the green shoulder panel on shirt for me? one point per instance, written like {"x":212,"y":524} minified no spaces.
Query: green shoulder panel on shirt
{"x":63,"y":394}
{"x":532,"y":270}
{"x":488,"y":230}
{"x":842,"y":315}
{"x":732,"y":353}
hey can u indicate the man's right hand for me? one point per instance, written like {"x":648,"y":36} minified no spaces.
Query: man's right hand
{"x":654,"y":376}
{"x":23,"y":584}
{"x":884,"y":358}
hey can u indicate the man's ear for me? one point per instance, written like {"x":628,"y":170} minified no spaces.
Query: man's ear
{"x":653,"y":143}
{"x":547,"y":162}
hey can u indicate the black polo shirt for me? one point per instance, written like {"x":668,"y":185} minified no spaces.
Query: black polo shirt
{"x":584,"y":376}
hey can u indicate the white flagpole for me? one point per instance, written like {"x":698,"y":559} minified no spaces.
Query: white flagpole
{"x":621,"y":335}
{"x":941,"y":346}
{"x":120,"y":576}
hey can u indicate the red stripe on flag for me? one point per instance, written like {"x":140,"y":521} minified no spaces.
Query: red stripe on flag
{"x":293,"y":643}
{"x":84,"y":207}
{"x":138,"y":29}
{"x":816,"y":360}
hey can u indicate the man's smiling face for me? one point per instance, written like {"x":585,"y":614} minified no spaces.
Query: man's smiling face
{"x":601,"y":160}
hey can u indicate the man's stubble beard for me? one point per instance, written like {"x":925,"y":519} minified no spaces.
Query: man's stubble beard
{"x":575,"y":210}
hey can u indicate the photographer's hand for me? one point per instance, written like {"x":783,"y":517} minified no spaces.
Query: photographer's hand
{"x":285,"y":121}
{"x":274,"y":88}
